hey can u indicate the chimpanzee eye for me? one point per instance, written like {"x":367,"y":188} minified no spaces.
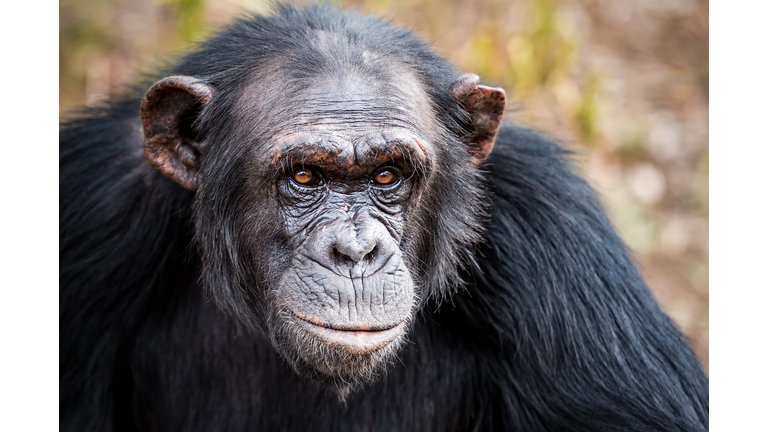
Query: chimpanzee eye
{"x":385,"y":176}
{"x":306,"y":177}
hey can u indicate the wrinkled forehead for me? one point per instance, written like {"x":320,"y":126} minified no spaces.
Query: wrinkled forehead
{"x":353,"y":100}
{"x":346,"y":116}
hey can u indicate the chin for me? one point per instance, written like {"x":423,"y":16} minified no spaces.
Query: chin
{"x":342,"y":361}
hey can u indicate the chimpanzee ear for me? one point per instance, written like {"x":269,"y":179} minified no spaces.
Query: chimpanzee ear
{"x":168,"y":113}
{"x":486,"y":106}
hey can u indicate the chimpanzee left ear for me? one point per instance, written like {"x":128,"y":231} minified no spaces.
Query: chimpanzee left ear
{"x":486,"y":107}
{"x":168,"y":113}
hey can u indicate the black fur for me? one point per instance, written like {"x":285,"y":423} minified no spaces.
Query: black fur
{"x":554,"y":331}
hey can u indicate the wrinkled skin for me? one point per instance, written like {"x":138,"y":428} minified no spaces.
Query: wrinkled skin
{"x":347,"y":272}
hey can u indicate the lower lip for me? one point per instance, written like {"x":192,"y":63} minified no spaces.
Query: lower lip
{"x":353,"y":342}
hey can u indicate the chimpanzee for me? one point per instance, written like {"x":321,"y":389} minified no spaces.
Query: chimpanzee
{"x":313,"y":222}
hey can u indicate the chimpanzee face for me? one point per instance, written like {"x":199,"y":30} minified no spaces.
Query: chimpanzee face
{"x":345,"y":217}
{"x":316,"y":224}
{"x":347,"y":191}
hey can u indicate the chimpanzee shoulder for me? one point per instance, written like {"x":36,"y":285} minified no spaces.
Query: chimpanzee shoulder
{"x":552,"y":266}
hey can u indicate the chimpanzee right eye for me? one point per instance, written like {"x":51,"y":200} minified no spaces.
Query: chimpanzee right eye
{"x":306,"y":176}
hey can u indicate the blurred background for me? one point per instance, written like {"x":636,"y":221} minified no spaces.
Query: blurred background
{"x":624,"y":83}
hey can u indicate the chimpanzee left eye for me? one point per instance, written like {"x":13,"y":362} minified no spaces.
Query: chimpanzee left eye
{"x":384,"y":176}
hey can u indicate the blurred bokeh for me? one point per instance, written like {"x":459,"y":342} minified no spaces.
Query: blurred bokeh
{"x":624,"y":83}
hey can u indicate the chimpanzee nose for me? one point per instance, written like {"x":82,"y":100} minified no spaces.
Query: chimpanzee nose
{"x":355,"y":250}
{"x":345,"y":245}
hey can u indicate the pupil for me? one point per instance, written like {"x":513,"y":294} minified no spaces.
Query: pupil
{"x":304,"y":176}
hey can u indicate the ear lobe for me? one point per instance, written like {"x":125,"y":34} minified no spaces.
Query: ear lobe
{"x":486,"y":107}
{"x":167,"y":113}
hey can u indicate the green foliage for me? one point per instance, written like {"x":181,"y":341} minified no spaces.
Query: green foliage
{"x":189,"y":19}
{"x":543,"y":51}
{"x":586,"y":115}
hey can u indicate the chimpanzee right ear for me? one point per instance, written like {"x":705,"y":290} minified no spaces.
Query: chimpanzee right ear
{"x":168,"y":113}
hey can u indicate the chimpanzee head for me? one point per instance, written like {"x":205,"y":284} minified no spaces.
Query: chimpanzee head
{"x":335,"y":169}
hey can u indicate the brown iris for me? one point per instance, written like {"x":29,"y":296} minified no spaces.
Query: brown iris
{"x":305,"y":176}
{"x":385,"y":176}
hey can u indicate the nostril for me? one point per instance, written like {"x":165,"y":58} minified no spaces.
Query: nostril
{"x":338,"y":257}
{"x":372,"y":254}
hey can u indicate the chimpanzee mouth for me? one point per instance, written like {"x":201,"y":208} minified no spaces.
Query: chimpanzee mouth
{"x":355,"y":341}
